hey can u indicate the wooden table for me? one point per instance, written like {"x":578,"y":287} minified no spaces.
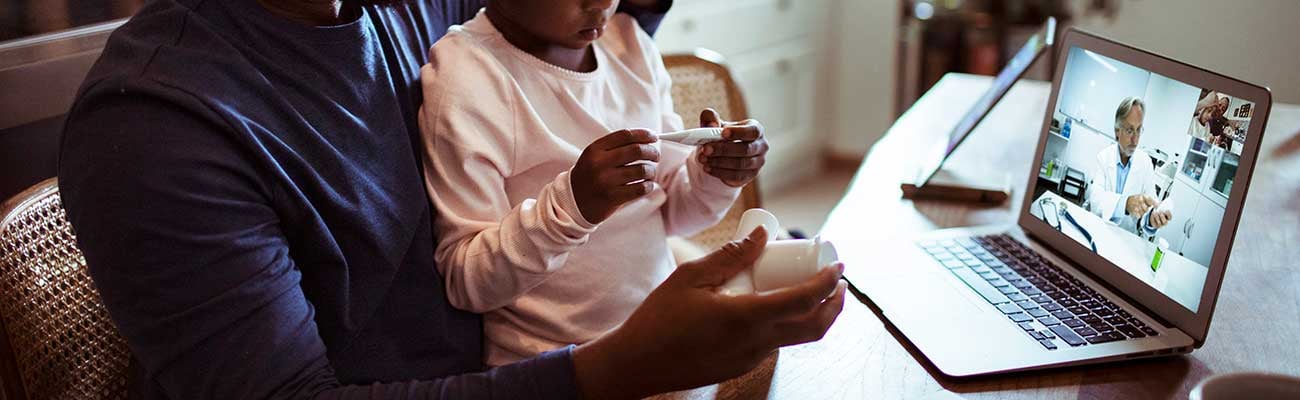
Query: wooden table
{"x":1256,"y":326}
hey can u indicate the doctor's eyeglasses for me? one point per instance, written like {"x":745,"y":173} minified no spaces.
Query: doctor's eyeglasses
{"x":1131,"y":130}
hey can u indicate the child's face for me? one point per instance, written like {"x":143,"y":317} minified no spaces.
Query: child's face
{"x":569,"y":23}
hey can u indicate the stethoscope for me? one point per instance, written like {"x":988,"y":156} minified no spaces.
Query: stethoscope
{"x":1062,"y":211}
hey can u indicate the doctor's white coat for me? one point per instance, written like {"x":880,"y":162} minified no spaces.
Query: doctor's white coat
{"x":1103,"y":197}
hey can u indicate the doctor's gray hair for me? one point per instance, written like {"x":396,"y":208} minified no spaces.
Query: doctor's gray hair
{"x":1126,"y":106}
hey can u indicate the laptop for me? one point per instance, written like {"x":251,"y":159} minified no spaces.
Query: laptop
{"x":1083,"y":276}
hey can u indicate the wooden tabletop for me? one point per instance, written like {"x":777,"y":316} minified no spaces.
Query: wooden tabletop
{"x":1256,"y":326}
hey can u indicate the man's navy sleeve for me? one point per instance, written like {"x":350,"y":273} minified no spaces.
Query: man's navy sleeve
{"x":197,"y":274}
{"x":648,"y":17}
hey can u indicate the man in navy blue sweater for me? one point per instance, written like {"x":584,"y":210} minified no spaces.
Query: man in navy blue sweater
{"x":243,"y":182}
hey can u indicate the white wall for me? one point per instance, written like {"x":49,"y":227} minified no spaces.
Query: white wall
{"x":862,"y":74}
{"x":1081,"y":152}
{"x":1092,"y":90}
{"x":1256,"y":40}
{"x":1170,"y":104}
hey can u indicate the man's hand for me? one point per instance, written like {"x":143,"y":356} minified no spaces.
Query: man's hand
{"x":1160,"y":218}
{"x":737,"y":159}
{"x":603,"y":180}
{"x":1138,"y":204}
{"x":686,"y":334}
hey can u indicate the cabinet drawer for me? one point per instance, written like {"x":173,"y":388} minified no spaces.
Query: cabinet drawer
{"x":734,"y":27}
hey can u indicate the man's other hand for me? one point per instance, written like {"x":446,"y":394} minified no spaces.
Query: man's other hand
{"x":1138,"y":204}
{"x":1161,"y":218}
{"x":686,"y":334}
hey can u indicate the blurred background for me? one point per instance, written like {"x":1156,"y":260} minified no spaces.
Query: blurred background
{"x":826,"y":77}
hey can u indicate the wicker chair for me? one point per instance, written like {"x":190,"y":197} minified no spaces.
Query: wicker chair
{"x":701,"y":80}
{"x":58,"y":341}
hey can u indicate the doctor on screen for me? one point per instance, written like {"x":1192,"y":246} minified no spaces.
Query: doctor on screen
{"x":1123,"y":187}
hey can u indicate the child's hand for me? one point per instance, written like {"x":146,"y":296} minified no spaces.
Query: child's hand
{"x":603,"y":181}
{"x":737,"y":159}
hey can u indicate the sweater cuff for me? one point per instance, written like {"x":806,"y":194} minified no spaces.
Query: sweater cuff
{"x":547,"y":375}
{"x":568,"y":204}
{"x":552,"y":374}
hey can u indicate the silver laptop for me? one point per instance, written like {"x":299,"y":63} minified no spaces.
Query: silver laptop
{"x":1140,"y":172}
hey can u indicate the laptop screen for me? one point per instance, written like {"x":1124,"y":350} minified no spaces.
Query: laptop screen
{"x":1138,"y":168}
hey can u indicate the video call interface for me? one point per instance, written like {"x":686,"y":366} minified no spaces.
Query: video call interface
{"x":1138,"y":168}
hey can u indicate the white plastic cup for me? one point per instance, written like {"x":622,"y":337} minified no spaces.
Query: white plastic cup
{"x":790,"y":262}
{"x":783,"y":263}
{"x":754,"y":218}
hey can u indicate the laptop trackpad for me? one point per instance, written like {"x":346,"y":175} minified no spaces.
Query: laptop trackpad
{"x":923,"y":296}
{"x":940,"y":315}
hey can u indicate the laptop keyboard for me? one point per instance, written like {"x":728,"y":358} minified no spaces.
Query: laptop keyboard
{"x":1050,"y":305}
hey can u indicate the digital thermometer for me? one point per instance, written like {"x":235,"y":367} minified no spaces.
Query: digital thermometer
{"x":694,"y":137}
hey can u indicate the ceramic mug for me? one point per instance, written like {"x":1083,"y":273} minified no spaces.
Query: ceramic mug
{"x":1247,"y":385}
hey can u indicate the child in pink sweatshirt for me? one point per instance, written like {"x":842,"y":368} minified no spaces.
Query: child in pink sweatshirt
{"x":548,"y":224}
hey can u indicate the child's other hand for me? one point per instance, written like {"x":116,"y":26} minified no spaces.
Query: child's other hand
{"x":737,"y":159}
{"x":603,"y":180}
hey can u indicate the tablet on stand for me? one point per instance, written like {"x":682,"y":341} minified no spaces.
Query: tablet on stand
{"x":932,"y":181}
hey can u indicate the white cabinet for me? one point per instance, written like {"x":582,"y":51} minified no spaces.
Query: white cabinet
{"x":1185,"y":199}
{"x":1203,"y":183}
{"x":1210,"y":169}
{"x":738,"y":26}
{"x":1197,"y":218}
{"x":1203,"y":231}
{"x":777,"y":51}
